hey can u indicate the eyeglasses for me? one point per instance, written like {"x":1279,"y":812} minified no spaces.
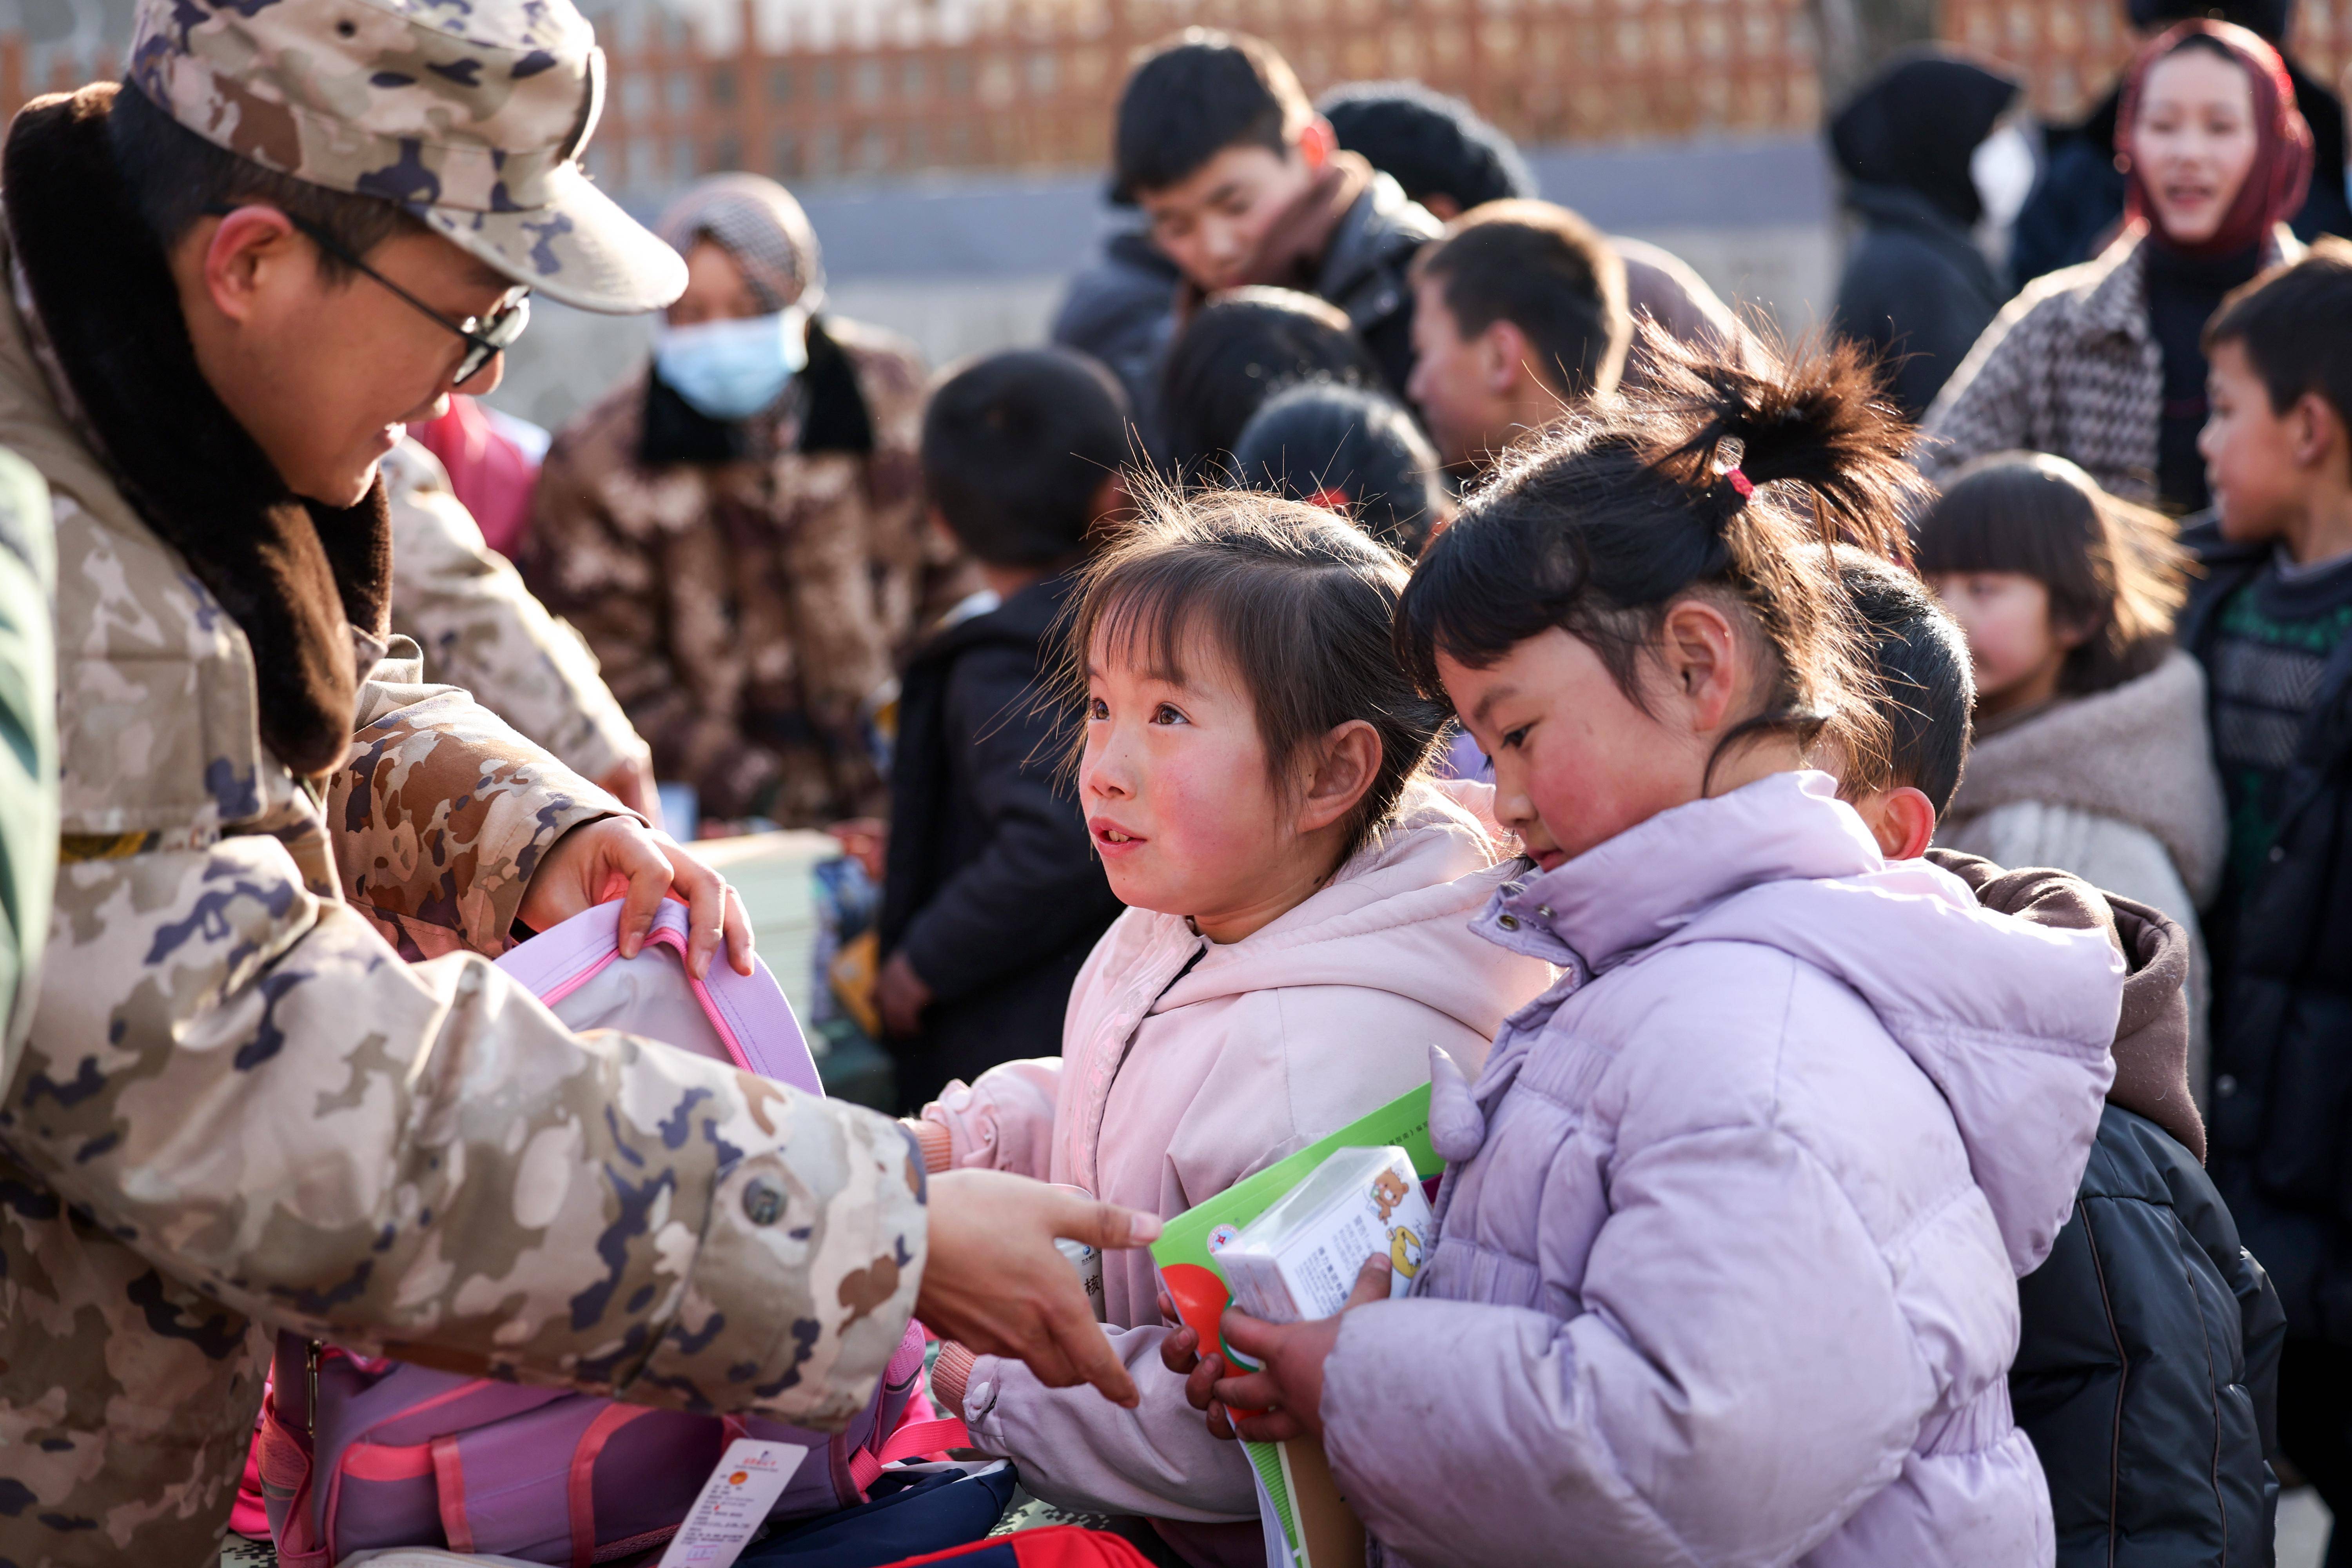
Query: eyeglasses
{"x":485,"y":338}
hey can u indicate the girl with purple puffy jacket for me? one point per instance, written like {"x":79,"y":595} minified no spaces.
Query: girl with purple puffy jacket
{"x":1734,"y":1213}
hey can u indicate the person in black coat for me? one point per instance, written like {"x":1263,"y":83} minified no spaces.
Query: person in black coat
{"x":2150,"y":1339}
{"x":2079,"y":202}
{"x":1916,"y":286}
{"x":991,"y":895}
{"x":2148,"y":1363}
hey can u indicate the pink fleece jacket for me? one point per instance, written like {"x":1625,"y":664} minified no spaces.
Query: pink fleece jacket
{"x":1179,"y":1078}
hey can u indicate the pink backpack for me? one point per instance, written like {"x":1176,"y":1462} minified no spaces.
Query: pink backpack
{"x":356,"y":1453}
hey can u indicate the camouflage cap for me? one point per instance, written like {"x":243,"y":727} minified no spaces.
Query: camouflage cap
{"x":470,"y":113}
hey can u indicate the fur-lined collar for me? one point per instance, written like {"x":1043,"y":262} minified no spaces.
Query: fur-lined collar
{"x":2138,"y":752}
{"x":296,"y":576}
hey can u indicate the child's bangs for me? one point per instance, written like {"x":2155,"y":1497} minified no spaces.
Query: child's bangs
{"x":2014,"y":513}
{"x":1152,"y":617}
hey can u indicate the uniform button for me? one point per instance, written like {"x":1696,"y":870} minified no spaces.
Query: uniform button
{"x":1544,"y":910}
{"x":976,"y":1396}
{"x":1508,"y":923}
{"x":764,"y":1202}
{"x":2225,"y":1084}
{"x":2278,"y":853}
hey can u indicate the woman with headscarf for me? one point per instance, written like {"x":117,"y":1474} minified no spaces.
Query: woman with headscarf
{"x":738,"y":529}
{"x":2100,"y":363}
{"x":1917,"y":149}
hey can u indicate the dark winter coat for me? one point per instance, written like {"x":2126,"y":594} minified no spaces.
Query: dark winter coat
{"x":2281,"y":951}
{"x":1915,"y":288}
{"x":992,"y":889}
{"x":1364,"y":272}
{"x":2076,"y":208}
{"x":2146,"y":1369}
{"x":1121,"y":309}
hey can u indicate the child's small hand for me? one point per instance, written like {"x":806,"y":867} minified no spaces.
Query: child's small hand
{"x":1287,"y":1389}
{"x":1180,"y":1352}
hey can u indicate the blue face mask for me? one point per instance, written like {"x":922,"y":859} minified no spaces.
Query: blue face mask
{"x":731,"y":370}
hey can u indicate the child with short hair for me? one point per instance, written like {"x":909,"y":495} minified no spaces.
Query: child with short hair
{"x":1296,"y":940}
{"x":1238,"y":350}
{"x":1242,"y":183}
{"x":2269,"y":619}
{"x":1354,"y":451}
{"x":2091,"y":753}
{"x":991,"y":897}
{"x":1731,"y":1224}
{"x":1925,"y":691}
{"x":2147,"y":1407}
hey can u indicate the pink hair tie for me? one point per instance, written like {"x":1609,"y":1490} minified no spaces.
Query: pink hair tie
{"x":1330,"y":498}
{"x":1739,"y":482}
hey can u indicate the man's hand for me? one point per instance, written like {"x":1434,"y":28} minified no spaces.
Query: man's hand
{"x":994,"y":1281}
{"x":1287,"y":1388}
{"x":631,"y":783}
{"x":901,"y":996}
{"x":592,"y":861}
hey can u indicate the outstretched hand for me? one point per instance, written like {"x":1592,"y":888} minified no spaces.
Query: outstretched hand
{"x":1284,"y":1398}
{"x":995,"y":1281}
{"x":592,"y":862}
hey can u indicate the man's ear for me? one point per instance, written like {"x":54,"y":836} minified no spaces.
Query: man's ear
{"x":1317,"y":142}
{"x":1906,"y":824}
{"x":1503,"y":354}
{"x":1351,"y":761}
{"x":236,"y":260}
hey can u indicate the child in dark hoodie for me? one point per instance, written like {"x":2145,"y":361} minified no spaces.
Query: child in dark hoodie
{"x":2146,"y":1370}
{"x":991,"y":897}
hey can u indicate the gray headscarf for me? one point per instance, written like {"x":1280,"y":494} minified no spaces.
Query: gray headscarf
{"x":757,"y":222}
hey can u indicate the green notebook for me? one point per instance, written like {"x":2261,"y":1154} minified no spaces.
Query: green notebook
{"x":1198,"y":1285}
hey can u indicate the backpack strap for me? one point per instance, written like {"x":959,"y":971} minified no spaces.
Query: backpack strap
{"x":581,"y":1493}
{"x":914,"y":1438}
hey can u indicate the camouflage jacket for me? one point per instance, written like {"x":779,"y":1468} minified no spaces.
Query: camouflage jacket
{"x":480,"y":628}
{"x":238,"y":1112}
{"x":750,"y":611}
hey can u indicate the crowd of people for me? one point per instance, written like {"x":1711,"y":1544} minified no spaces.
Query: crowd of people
{"x":1852,"y":837}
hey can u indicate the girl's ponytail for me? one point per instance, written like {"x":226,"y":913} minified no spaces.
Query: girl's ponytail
{"x":1732,"y":478}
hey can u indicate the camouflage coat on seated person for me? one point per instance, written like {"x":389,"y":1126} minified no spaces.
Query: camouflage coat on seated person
{"x":749,"y":586}
{"x":480,"y":628}
{"x":237,"y":1110}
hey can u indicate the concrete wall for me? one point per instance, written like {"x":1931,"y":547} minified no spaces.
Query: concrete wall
{"x":971,"y":264}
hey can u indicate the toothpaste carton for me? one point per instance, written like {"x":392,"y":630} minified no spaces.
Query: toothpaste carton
{"x":1298,"y":1259}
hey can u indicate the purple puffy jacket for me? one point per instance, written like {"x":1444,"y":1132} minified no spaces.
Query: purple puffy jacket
{"x":1728,"y":1256}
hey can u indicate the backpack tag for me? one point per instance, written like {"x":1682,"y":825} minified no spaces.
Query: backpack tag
{"x":733,"y":1504}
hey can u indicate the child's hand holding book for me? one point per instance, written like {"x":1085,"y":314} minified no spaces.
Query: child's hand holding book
{"x":1282,"y":1398}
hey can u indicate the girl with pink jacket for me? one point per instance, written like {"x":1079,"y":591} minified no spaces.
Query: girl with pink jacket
{"x":1297,"y":941}
{"x":1734,"y":1213}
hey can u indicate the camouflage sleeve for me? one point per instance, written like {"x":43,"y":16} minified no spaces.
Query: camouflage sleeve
{"x":482,"y":629}
{"x":28,"y":742}
{"x":244,"y":1084}
{"x":441,"y":813}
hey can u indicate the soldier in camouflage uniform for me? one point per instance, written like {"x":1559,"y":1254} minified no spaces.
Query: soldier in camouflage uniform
{"x":749,"y":584}
{"x":237,"y":1111}
{"x":480,"y":628}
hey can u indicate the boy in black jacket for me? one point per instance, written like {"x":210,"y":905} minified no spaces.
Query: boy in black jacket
{"x":2270,"y":619}
{"x":1240,"y":182}
{"x":2148,"y":1358}
{"x":992,"y":896}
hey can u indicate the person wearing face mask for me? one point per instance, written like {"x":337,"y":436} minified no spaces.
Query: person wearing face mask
{"x":737,"y":530}
{"x":2100,"y":363}
{"x":2079,"y":202}
{"x":1922,"y":147}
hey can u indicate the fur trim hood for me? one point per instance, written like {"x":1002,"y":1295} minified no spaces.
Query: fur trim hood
{"x":2138,"y":754}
